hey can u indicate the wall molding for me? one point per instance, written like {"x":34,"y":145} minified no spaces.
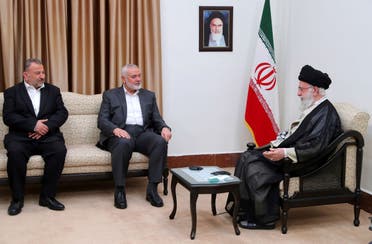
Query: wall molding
{"x":229,"y":160}
{"x":220,"y":160}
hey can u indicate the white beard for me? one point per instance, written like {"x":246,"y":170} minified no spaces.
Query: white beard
{"x":216,"y":36}
{"x":306,"y":103}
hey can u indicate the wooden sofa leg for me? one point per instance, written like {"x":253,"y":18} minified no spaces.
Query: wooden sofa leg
{"x":356,"y":215}
{"x":165,"y":181}
{"x":357,"y":208}
{"x":284,"y":221}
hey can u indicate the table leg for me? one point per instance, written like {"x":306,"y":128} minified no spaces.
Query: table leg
{"x":193,"y":198}
{"x":173,"y":189}
{"x":213,"y":203}
{"x":236,"y":195}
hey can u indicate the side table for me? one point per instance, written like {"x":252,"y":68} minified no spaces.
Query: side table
{"x":196,"y":181}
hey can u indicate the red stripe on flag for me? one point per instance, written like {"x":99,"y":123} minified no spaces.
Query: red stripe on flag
{"x":259,"y":120}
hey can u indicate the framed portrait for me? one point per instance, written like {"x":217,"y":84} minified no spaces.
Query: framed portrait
{"x":215,"y":28}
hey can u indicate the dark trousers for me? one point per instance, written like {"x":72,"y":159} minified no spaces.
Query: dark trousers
{"x":19,"y":152}
{"x":259,"y":188}
{"x":146,"y":142}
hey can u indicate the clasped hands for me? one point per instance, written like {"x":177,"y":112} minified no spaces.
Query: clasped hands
{"x":165,"y":133}
{"x":39,"y":130}
{"x":274,"y":154}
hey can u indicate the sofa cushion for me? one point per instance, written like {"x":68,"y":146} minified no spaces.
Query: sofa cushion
{"x":78,"y":104}
{"x":81,"y":129}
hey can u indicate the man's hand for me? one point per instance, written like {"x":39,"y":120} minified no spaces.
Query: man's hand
{"x":34,"y":135}
{"x":121,"y":133}
{"x":275,"y":154}
{"x":166,"y":133}
{"x":40,"y":127}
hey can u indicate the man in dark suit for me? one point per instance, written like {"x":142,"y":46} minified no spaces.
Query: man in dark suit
{"x":129,"y":120}
{"x":34,"y":112}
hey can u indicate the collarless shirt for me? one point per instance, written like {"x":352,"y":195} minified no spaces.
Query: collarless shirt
{"x":34,"y":95}
{"x":134,"y":112}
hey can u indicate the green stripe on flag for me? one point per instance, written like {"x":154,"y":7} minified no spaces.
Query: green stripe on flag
{"x":266,"y":30}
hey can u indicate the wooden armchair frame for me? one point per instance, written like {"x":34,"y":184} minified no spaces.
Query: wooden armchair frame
{"x":334,"y":156}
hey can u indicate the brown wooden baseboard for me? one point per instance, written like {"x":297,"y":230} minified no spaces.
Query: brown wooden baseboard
{"x":220,"y":160}
{"x":229,"y":160}
{"x":366,"y":202}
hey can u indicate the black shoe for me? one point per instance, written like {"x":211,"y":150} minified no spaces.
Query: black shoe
{"x":15,"y":207}
{"x":120,"y":200}
{"x":255,"y":226}
{"x":51,"y":203}
{"x":154,"y":199}
{"x":152,"y":195}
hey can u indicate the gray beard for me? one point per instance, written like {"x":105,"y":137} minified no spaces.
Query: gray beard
{"x":133,"y":87}
{"x":306,"y":103}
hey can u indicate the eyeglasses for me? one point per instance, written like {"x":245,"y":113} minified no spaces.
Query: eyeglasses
{"x":301,"y":89}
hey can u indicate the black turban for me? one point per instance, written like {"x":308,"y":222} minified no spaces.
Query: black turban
{"x":216,"y":14}
{"x":314,"y":77}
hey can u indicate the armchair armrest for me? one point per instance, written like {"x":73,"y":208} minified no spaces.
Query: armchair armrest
{"x":347,"y":138}
{"x":252,"y":145}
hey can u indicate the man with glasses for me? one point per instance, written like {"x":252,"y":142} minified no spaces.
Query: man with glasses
{"x":261,"y":172}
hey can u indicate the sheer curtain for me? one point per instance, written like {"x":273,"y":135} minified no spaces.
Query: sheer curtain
{"x":82,"y":43}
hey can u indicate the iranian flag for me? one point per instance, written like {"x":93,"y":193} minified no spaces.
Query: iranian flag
{"x":262,"y":108}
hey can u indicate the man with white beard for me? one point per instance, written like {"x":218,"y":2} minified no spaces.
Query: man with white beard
{"x":214,"y":35}
{"x":261,"y":171}
{"x":216,"y":38}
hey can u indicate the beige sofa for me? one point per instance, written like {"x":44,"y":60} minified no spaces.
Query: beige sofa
{"x":80,"y":131}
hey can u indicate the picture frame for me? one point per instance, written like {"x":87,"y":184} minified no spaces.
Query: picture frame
{"x":215,"y":28}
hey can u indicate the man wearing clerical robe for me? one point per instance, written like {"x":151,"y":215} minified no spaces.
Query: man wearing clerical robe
{"x":261,"y":171}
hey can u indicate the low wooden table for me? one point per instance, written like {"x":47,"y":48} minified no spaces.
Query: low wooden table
{"x":196,"y":181}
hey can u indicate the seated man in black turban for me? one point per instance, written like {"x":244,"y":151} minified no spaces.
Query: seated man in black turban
{"x":260,"y":172}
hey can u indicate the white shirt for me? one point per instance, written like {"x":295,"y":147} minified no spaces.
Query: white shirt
{"x":134,"y":112}
{"x":34,"y":95}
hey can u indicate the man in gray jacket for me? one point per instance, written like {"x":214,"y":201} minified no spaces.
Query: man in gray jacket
{"x":129,"y":120}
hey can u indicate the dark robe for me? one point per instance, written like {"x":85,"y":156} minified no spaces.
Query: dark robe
{"x":260,"y":177}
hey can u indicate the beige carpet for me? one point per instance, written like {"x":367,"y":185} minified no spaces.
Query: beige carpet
{"x":90,"y":217}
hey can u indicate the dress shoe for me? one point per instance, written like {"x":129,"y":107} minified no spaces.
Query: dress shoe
{"x":15,"y":207}
{"x":120,"y":200}
{"x":51,"y":203}
{"x":154,"y":199}
{"x":152,"y":195}
{"x":255,"y":226}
